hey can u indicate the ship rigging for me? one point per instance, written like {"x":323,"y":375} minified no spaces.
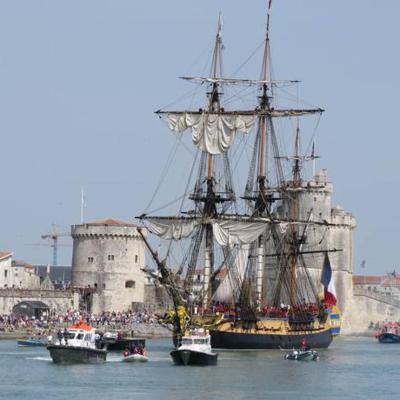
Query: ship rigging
{"x":249,"y":266}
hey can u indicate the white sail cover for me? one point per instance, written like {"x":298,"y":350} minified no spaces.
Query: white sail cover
{"x":213,"y":133}
{"x":168,"y":229}
{"x":224,"y":290}
{"x":229,"y":233}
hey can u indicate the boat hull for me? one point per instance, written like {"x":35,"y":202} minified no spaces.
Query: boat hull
{"x":302,"y":355}
{"x":72,"y":355}
{"x":243,"y":340}
{"x":30,"y":343}
{"x":389,"y":338}
{"x":135,"y":358}
{"x":191,"y":357}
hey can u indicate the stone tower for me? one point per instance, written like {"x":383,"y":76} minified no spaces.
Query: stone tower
{"x":338,"y":234}
{"x":333,"y":231}
{"x":106,"y":265}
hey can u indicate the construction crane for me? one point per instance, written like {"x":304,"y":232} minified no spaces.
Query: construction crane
{"x":53,"y":235}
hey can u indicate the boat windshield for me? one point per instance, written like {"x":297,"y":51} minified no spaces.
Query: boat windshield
{"x":80,"y":336}
{"x":186,"y":341}
{"x":200,"y":341}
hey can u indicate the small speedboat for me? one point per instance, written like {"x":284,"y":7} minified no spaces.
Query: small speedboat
{"x":390,"y":333}
{"x":388,"y":337}
{"x":302,"y":355}
{"x":195,"y":349}
{"x":77,"y":345}
{"x":135,"y":358}
{"x":32,"y":341}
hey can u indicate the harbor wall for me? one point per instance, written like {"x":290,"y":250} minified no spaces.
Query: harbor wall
{"x":59,"y":301}
{"x":367,"y":307}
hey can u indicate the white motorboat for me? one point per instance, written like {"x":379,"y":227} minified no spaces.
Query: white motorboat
{"x":77,"y":344}
{"x":195,"y":349}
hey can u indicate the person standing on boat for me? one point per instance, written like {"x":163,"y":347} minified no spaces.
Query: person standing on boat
{"x":66,"y":336}
{"x":59,"y":335}
{"x":97,"y":341}
{"x":304,"y":345}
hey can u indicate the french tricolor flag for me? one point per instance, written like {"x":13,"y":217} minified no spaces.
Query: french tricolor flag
{"x":327,"y":282}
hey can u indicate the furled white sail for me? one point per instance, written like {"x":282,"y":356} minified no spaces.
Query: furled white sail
{"x":213,"y":133}
{"x":175,"y":229}
{"x":224,"y":290}
{"x":229,"y":233}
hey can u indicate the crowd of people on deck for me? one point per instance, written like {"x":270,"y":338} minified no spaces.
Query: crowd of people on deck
{"x":281,"y":311}
{"x":110,"y":320}
{"x":135,"y":349}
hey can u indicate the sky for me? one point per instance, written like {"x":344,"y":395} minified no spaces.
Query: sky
{"x":80,"y":80}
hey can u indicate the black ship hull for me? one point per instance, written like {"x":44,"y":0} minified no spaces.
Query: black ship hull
{"x":72,"y":355}
{"x":241,"y":340}
{"x":190,"y":357}
{"x":388,"y":338}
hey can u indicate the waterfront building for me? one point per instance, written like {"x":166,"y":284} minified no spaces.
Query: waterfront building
{"x":384,"y":285}
{"x":333,"y":232}
{"x":107,"y":261}
{"x":16,"y":273}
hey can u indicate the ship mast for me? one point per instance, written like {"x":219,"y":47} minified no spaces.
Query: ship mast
{"x":294,"y":215}
{"x":210,"y":209}
{"x":264,"y":120}
{"x":213,"y":107}
{"x":261,"y":205}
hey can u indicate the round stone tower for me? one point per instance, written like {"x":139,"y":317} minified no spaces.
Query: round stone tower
{"x":106,"y":265}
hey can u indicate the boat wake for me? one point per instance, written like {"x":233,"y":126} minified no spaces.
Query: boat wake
{"x":114,"y":359}
{"x":48,"y":359}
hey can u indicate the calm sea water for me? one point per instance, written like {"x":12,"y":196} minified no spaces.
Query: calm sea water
{"x":352,"y":368}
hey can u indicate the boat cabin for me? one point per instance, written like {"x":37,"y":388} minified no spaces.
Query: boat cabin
{"x":78,"y":335}
{"x":189,"y":340}
{"x":198,"y":340}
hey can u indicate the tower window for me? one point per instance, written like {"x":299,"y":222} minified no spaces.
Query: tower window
{"x":111,"y":257}
{"x":136,"y":258}
{"x":130,"y":284}
{"x":90,"y":260}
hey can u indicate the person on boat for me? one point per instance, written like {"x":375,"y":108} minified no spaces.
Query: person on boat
{"x":304,"y":345}
{"x":97,"y":340}
{"x":136,"y":350}
{"x":126,"y":352}
{"x":65,"y":336}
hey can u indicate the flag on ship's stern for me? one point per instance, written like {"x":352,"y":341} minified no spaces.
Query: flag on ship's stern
{"x":327,"y":282}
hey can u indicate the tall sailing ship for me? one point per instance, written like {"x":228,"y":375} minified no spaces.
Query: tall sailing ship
{"x":245,"y":250}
